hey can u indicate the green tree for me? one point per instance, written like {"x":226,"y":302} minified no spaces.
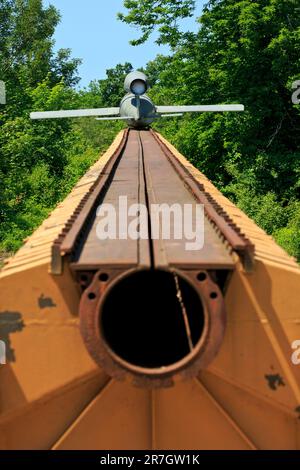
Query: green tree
{"x":163,"y":14}
{"x":26,"y":45}
{"x":37,"y":159}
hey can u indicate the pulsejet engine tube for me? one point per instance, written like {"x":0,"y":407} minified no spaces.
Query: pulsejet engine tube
{"x":136,"y":103}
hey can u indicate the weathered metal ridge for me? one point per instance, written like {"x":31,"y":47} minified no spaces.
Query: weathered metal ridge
{"x":215,"y":213}
{"x":74,"y":229}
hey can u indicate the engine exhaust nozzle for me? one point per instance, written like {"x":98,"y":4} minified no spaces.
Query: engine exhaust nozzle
{"x":152,"y":325}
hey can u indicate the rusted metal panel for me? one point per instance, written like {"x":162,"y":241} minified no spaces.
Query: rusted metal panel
{"x":270,"y":427}
{"x":39,"y":426}
{"x":187,"y":417}
{"x":265,"y":246}
{"x":166,"y":187}
{"x":39,"y":324}
{"x":118,"y":359}
{"x":215,"y":213}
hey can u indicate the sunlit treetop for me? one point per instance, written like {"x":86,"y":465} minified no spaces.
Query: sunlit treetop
{"x":163,"y":16}
{"x":149,"y":15}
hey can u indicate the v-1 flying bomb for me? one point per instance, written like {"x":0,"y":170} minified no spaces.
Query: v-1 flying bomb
{"x":136,"y":107}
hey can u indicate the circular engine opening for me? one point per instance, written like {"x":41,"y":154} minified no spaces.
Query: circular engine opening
{"x":142,"y":319}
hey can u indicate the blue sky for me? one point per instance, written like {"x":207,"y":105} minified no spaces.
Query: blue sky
{"x":91,"y":30}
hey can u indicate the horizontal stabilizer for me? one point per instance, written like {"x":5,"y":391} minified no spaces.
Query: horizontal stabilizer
{"x":113,"y":118}
{"x":75,"y":113}
{"x":200,"y":108}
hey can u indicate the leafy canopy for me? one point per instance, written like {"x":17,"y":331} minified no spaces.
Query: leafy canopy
{"x":245,"y":51}
{"x":39,"y":161}
{"x":146,"y":15}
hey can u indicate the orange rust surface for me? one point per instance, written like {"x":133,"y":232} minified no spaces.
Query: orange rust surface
{"x":53,"y":396}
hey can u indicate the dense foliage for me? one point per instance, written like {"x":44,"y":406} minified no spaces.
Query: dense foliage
{"x":246,"y":52}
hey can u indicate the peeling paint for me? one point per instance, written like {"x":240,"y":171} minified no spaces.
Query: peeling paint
{"x":274,"y":381}
{"x":46,"y":302}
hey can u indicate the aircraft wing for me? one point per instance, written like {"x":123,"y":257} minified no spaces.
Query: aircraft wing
{"x":75,"y":113}
{"x":200,"y":108}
